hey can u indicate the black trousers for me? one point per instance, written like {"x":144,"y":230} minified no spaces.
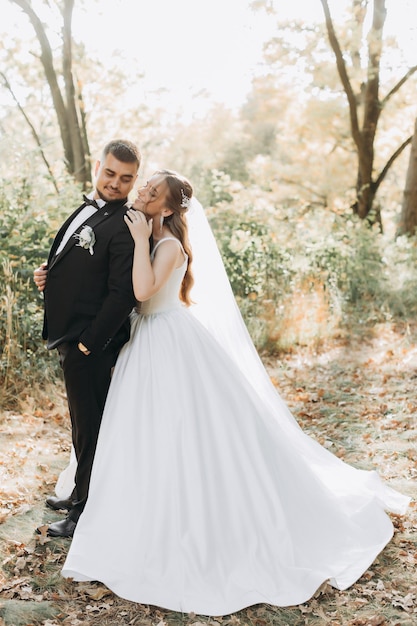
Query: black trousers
{"x":87,"y":380}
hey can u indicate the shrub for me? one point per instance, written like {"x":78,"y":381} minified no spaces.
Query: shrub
{"x":26,"y":233}
{"x":303,"y":276}
{"x":300,"y":275}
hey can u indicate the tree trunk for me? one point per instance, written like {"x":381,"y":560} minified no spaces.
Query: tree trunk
{"x":81,"y":166}
{"x":71,"y":128}
{"x":408,"y":218}
{"x":368,"y":100}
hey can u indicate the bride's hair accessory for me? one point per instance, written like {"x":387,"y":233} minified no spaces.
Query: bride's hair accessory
{"x":185,"y":200}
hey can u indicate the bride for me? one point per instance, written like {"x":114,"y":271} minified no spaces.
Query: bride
{"x":205,"y":494}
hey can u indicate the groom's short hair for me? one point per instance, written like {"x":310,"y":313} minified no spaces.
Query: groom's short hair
{"x":123,"y":150}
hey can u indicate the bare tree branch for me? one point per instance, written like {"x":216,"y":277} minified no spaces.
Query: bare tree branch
{"x":390,"y":161}
{"x":65,"y":101}
{"x":51,"y":76}
{"x":400,"y":83}
{"x":344,"y":77}
{"x":32,"y":129}
{"x":296,"y":183}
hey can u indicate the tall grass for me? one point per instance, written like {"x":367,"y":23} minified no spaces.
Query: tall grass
{"x":26,"y":229}
{"x":25,"y":364}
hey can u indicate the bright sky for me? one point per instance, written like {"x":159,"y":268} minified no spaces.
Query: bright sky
{"x":198,"y":51}
{"x":194,"y":49}
{"x":189,"y":47}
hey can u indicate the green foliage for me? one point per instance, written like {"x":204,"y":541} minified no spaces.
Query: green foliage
{"x":400,"y":260}
{"x":348,"y":262}
{"x":213,"y":187}
{"x":300,"y":274}
{"x":25,"y":238}
{"x":306,"y":275}
{"x":256,"y":265}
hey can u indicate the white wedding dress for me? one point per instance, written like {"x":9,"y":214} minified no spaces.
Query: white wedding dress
{"x":203,"y":497}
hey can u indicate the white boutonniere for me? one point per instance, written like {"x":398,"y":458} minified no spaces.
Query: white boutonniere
{"x":86,"y":238}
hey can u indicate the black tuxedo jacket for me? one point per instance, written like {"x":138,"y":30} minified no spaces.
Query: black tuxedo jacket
{"x":88,"y":297}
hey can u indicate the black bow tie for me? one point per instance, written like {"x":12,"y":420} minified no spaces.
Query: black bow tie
{"x":90,"y":202}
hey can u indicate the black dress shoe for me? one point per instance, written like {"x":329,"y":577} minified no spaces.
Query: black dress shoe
{"x":57,"y":504}
{"x":63,"y":528}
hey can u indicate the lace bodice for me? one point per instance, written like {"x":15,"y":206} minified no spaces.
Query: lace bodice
{"x":167,"y":297}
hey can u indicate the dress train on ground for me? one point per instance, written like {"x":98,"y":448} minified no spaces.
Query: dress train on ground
{"x":202,"y":498}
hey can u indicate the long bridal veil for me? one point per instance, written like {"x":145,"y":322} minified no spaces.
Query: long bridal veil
{"x":216,"y":308}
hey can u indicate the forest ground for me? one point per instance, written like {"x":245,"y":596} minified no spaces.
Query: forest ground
{"x":357,"y":396}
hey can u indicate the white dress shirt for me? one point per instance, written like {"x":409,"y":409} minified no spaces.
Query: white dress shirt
{"x":82,"y":216}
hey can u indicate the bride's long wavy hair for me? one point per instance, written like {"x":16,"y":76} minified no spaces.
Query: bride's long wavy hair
{"x":179,"y":189}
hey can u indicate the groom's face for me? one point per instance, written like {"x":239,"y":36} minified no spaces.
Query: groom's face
{"x":114,"y":178}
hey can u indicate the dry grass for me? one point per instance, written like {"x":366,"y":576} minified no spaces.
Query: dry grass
{"x":310,"y":317}
{"x":358,"y":398}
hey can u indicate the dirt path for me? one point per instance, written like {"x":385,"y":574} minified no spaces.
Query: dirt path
{"x":357,"y":398}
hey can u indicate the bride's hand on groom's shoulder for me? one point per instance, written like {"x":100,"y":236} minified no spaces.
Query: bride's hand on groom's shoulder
{"x":40,"y":275}
{"x":138,"y":225}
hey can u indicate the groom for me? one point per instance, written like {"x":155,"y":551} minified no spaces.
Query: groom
{"x":87,"y":286}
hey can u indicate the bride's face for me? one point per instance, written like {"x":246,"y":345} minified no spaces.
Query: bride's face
{"x":151,"y":197}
